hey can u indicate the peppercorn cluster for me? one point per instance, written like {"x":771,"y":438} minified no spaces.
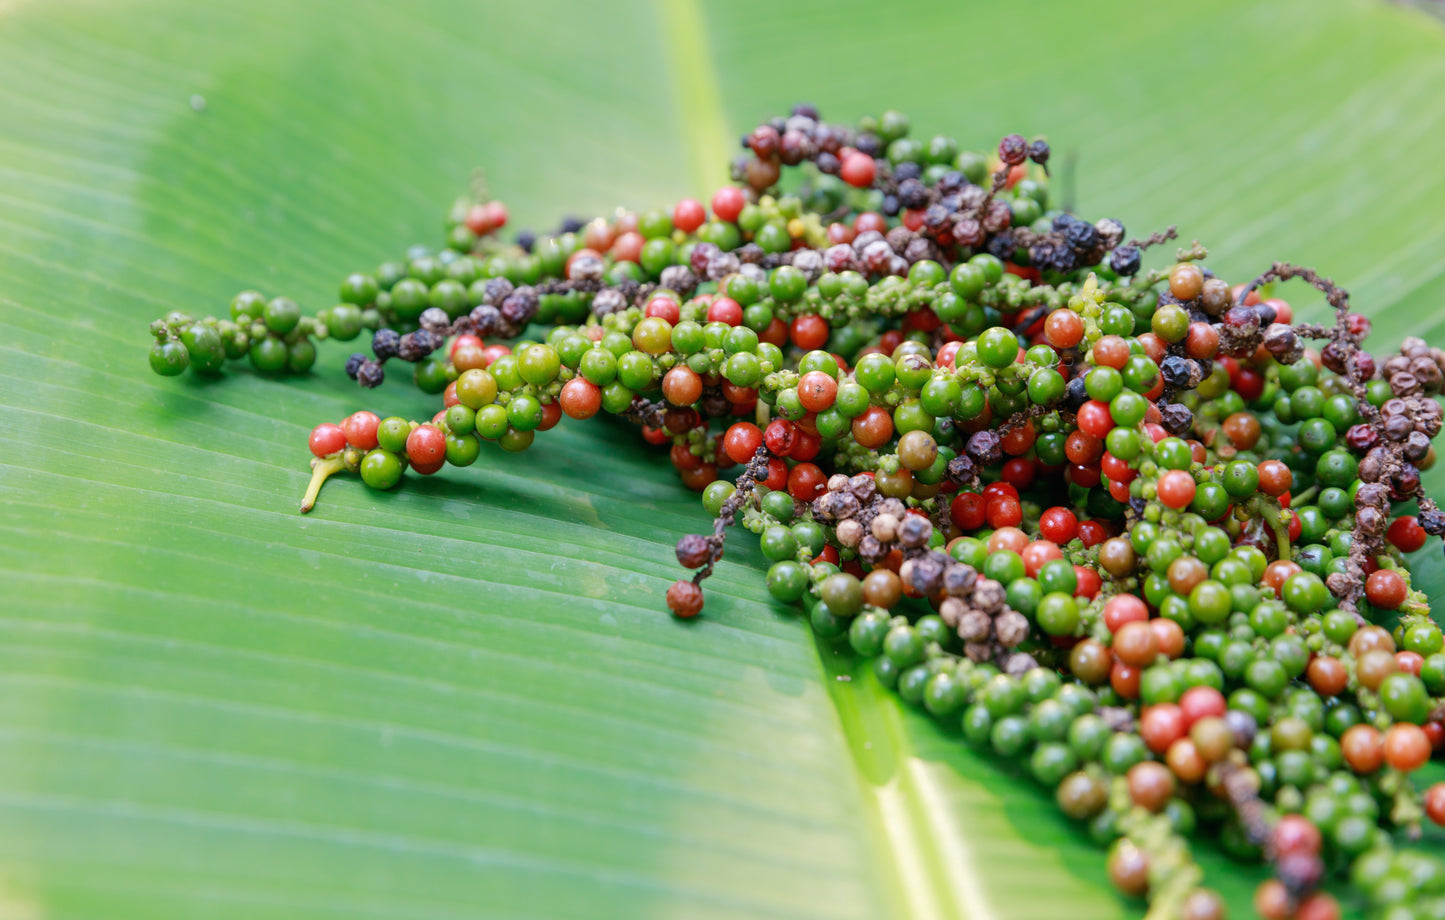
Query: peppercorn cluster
{"x":1135,"y":529}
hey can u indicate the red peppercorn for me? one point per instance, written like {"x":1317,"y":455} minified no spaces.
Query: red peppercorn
{"x":872,"y":220}
{"x":816,"y":391}
{"x":858,"y":170}
{"x":1122,"y":609}
{"x":1004,"y":512}
{"x":688,"y":215}
{"x":1124,"y":679}
{"x":1170,"y":636}
{"x":775,"y":334}
{"x":967,"y":511}
{"x":1058,"y":524}
{"x":922,"y":319}
{"x":1295,"y":834}
{"x":1083,"y":448}
{"x":1094,"y":419}
{"x":493,"y":352}
{"x":1018,"y":440}
{"x":742,"y":441}
{"x":1064,"y":329}
{"x":1176,"y":489}
{"x":327,"y":439}
{"x":360,"y":429}
{"x":1249,"y":383}
{"x":806,"y":482}
{"x":725,"y":310}
{"x":1275,"y":478}
{"x":873,"y":428}
{"x":494,"y":215}
{"x":1202,"y":703}
{"x":1162,"y":724}
{"x":1386,"y":589}
{"x":551,"y":415}
{"x":1018,"y":472}
{"x":1037,"y":553}
{"x":627,"y":247}
{"x":999,"y":490}
{"x":1083,"y":475}
{"x":1435,"y":731}
{"x":1111,"y":351}
{"x":807,"y":445}
{"x":426,"y":445}
{"x":580,"y":398}
{"x":1093,"y":532}
{"x":664,"y":308}
{"x":780,"y":436}
{"x":1406,"y":533}
{"x":683,"y":458}
{"x":1435,"y":803}
{"x":1088,"y":582}
{"x":1406,"y":747}
{"x":809,"y":331}
{"x":777,"y":474}
{"x":728,"y":202}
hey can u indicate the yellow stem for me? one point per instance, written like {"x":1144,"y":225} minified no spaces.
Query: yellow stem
{"x":320,"y":470}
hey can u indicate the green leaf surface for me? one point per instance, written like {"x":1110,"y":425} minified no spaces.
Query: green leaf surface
{"x":464,"y":699}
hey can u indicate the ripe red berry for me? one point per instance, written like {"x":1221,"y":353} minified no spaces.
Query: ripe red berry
{"x":1037,"y":553}
{"x":999,"y":490}
{"x":806,"y":482}
{"x":688,"y":215}
{"x":1093,"y":532}
{"x":1435,"y":803}
{"x":426,"y":446}
{"x":1018,"y":472}
{"x":858,"y":170}
{"x":806,"y":446}
{"x":1176,"y":489}
{"x":816,"y":391}
{"x":495,"y":214}
{"x":1202,"y":702}
{"x":580,"y":398}
{"x":777,"y":474}
{"x":725,"y":310}
{"x":327,"y":439}
{"x":967,"y":511}
{"x":1094,"y":419}
{"x":1296,"y":834}
{"x":728,"y":202}
{"x":664,"y":308}
{"x":742,"y":441}
{"x":780,"y":436}
{"x":1161,"y":725}
{"x":1124,"y":608}
{"x":1406,"y":533}
{"x":809,"y":331}
{"x":1058,"y":525}
{"x":1064,"y":329}
{"x":1004,"y":512}
{"x":360,"y":429}
{"x":1386,"y":589}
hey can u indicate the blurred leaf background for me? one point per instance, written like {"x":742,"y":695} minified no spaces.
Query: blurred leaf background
{"x":463,"y":699}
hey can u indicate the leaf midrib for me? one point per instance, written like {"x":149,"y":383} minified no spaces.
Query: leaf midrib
{"x":928,"y":872}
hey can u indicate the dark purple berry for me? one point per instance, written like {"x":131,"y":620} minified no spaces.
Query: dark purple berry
{"x":1013,"y":149}
{"x":384,"y":343}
